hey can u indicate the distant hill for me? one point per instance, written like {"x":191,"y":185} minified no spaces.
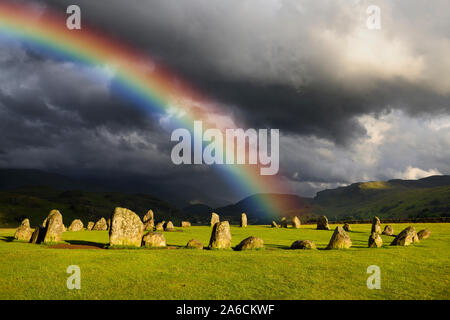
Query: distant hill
{"x":33,"y":193}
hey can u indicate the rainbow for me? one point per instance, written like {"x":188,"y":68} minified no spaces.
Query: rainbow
{"x":148,"y":84}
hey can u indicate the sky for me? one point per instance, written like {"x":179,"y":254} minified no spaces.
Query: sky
{"x":351,"y":103}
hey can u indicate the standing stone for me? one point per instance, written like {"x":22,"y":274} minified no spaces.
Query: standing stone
{"x":76,"y":225}
{"x":423,"y":234}
{"x":194,"y":244}
{"x":149,"y":220}
{"x":347,"y":227}
{"x":101,"y":225}
{"x":220,"y":236}
{"x":154,"y":240}
{"x":24,"y":232}
{"x":38,"y":235}
{"x":90,"y":225}
{"x":160,"y":226}
{"x":375,"y":240}
{"x":53,"y":225}
{"x":214,"y":219}
{"x":376,"y":225}
{"x":303,"y":244}
{"x":169,"y":226}
{"x":185,"y":224}
{"x":127,"y":228}
{"x":296,"y":222}
{"x":388,"y":230}
{"x":283,"y":223}
{"x":243,"y":220}
{"x":274,"y":224}
{"x":250,"y":243}
{"x":405,"y":238}
{"x":322,"y":223}
{"x":339,"y":239}
{"x":108,"y":223}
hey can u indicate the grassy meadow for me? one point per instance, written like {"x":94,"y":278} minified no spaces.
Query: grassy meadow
{"x":420,"y":271}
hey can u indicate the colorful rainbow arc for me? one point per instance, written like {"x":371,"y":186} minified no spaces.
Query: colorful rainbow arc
{"x":141,"y":79}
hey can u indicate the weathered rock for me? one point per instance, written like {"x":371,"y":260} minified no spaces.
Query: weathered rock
{"x":347,"y":227}
{"x":250,"y":243}
{"x":24,"y":232}
{"x":283,"y":223}
{"x":54,"y":227}
{"x":154,"y":240}
{"x":185,"y":224}
{"x":243,"y":220}
{"x":149,"y":220}
{"x":376,"y":225}
{"x":274,"y":224}
{"x":220,"y":236}
{"x":76,"y":225}
{"x":303,"y":244}
{"x":296,"y":222}
{"x":160,"y":226}
{"x":406,"y":237}
{"x":108,"y":223}
{"x":423,"y":234}
{"x":388,"y":230}
{"x":375,"y":240}
{"x":169,"y":226}
{"x":194,"y":244}
{"x":339,"y":239}
{"x":90,"y":225}
{"x":127,"y":228}
{"x":101,"y":225}
{"x":322,"y":223}
{"x":214,"y":219}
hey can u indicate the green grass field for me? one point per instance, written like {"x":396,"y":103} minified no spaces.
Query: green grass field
{"x":420,"y":271}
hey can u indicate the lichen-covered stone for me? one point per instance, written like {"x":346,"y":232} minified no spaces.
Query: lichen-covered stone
{"x":250,"y":243}
{"x":347,"y":227}
{"x":101,"y":225}
{"x":243,"y":220}
{"x":296,"y":222}
{"x":283,"y":223}
{"x":423,"y":234}
{"x":76,"y":225}
{"x":154,"y":240}
{"x":194,"y":244}
{"x":127,"y":228}
{"x":303,"y":244}
{"x":406,"y":237}
{"x":220,"y":236}
{"x":54,"y":227}
{"x":339,"y":239}
{"x":160,"y":226}
{"x":24,"y":232}
{"x":149,"y":220}
{"x":214,"y":219}
{"x":322,"y":223}
{"x":376,"y":225}
{"x":388,"y":230}
{"x":90,"y":225}
{"x":185,"y":224}
{"x":169,"y":226}
{"x":38,"y":235}
{"x":375,"y":240}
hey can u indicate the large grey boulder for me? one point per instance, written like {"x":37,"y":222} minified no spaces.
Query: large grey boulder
{"x":101,"y":225}
{"x":169,"y":226}
{"x":54,"y":227}
{"x":76,"y":225}
{"x":154,"y":240}
{"x":322,"y":223}
{"x":406,"y":237}
{"x":214,"y":219}
{"x":375,"y":240}
{"x":24,"y":232}
{"x":194,"y":244}
{"x":339,"y":239}
{"x":127,"y":228}
{"x":303,"y":244}
{"x":243,"y":220}
{"x":376,"y":225}
{"x":296,"y":222}
{"x":220,"y":236}
{"x":250,"y":243}
{"x":347,"y":227}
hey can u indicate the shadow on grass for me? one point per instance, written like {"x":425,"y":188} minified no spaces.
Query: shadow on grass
{"x":87,"y":243}
{"x":7,"y":239}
